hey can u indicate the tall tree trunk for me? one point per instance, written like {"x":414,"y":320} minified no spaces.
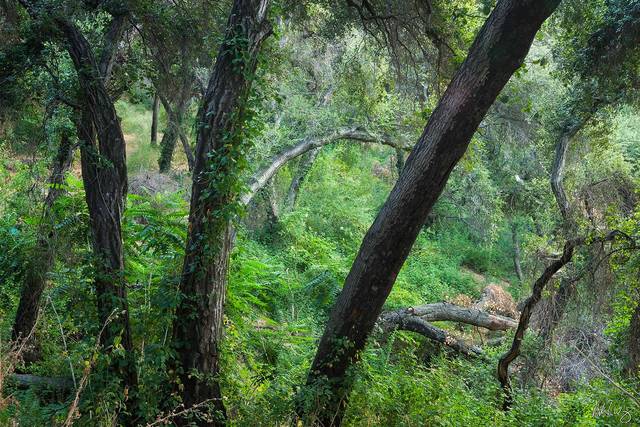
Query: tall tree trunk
{"x":105,"y":184}
{"x":43,"y":255}
{"x":498,"y":50}
{"x":516,"y":252}
{"x":633,"y":365}
{"x":197,"y":328}
{"x":104,"y":174}
{"x":154,"y":119}
{"x":300,"y":176}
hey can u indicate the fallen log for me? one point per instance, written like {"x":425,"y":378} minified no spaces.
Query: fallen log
{"x":57,"y":383}
{"x":443,"y":311}
{"x":409,"y":322}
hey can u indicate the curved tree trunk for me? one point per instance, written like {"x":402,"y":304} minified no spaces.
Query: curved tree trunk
{"x":499,"y":49}
{"x":105,"y":186}
{"x":263,"y":175}
{"x":43,"y":255}
{"x":525,"y":316}
{"x":197,"y":328}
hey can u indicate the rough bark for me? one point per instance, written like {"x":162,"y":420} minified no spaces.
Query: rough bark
{"x":43,"y":255}
{"x":496,"y":53}
{"x":154,"y":119}
{"x":516,"y":252}
{"x":443,"y":311}
{"x":197,"y":328}
{"x":633,"y":364}
{"x":303,"y":170}
{"x":525,"y":316}
{"x":261,"y":177}
{"x":104,"y":174}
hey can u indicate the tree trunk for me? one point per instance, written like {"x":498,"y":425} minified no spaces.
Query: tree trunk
{"x":399,"y":161}
{"x":197,"y":328}
{"x":422,"y":327}
{"x":498,"y":50}
{"x":154,"y":119}
{"x":300,"y":176}
{"x":633,"y":365}
{"x":170,"y":137}
{"x":263,"y":175}
{"x":105,"y":184}
{"x":191,"y":161}
{"x":43,"y":255}
{"x":557,"y":175}
{"x":443,"y":311}
{"x":516,"y":252}
{"x":525,"y":316}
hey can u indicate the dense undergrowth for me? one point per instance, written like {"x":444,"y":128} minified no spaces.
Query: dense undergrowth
{"x":284,"y":278}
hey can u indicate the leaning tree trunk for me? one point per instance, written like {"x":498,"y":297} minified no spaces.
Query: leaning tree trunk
{"x":197,"y":328}
{"x":42,"y":257}
{"x":499,"y":49}
{"x":525,"y":317}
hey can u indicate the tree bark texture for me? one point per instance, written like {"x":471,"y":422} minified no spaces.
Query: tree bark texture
{"x":498,"y":50}
{"x":443,"y":311}
{"x":197,"y":328}
{"x":633,"y":365}
{"x":104,"y":174}
{"x":173,"y":131}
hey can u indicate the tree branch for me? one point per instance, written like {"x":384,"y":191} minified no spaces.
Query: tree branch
{"x":444,"y":311}
{"x":260,"y":178}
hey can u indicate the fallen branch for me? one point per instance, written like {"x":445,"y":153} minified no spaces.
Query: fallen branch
{"x":444,"y":311}
{"x":25,"y":381}
{"x":412,"y":323}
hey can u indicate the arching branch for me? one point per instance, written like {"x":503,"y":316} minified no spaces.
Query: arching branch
{"x":261,"y":177}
